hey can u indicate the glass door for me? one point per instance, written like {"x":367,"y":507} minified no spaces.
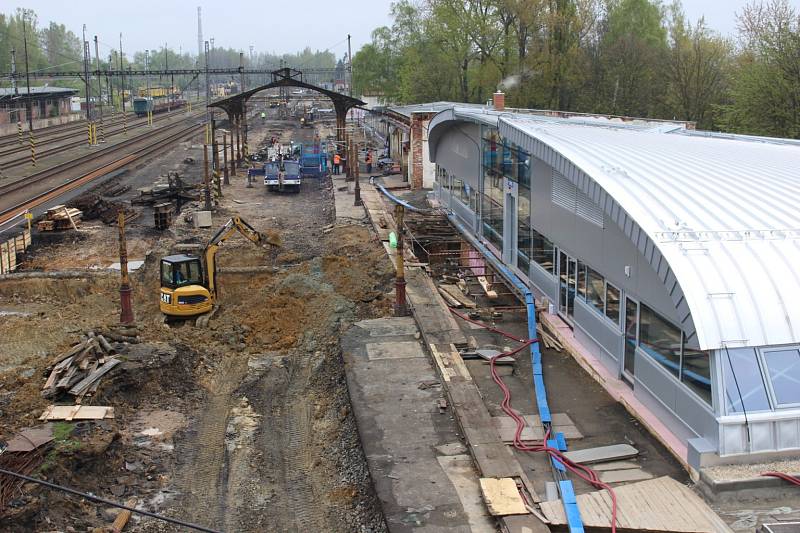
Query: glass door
{"x":631,"y":338}
{"x":567,"y":274}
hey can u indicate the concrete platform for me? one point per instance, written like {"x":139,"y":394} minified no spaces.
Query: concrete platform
{"x":422,"y":473}
{"x":344,"y":199}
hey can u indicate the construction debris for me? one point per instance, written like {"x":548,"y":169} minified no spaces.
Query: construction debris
{"x":95,"y":207}
{"x":459,"y":296}
{"x":80,"y":370}
{"x":30,"y":439}
{"x":60,"y":217}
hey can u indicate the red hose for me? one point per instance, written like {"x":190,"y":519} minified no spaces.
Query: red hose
{"x":582,"y":471}
{"x":786,"y":477}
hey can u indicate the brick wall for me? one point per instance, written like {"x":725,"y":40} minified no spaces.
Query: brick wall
{"x":419,"y":122}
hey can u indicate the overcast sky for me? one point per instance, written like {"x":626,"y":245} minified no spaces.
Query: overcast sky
{"x":271,"y":26}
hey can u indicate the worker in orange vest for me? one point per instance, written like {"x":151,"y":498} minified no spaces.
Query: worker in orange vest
{"x":337,"y":161}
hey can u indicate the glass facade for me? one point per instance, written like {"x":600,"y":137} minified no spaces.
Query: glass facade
{"x":666,"y":344}
{"x":524,"y":238}
{"x":744,"y":383}
{"x":543,"y":251}
{"x":660,"y":339}
{"x":783,"y":367}
{"x":595,"y":290}
{"x":492,"y":197}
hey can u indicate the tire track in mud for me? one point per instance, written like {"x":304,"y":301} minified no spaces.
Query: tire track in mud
{"x":204,"y":474}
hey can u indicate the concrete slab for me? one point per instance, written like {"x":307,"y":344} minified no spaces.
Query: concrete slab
{"x":460,"y":470}
{"x":387,"y":327}
{"x":394,"y":350}
{"x":422,"y":477}
{"x":343,"y":201}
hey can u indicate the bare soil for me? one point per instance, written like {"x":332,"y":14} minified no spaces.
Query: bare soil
{"x":244,"y":426}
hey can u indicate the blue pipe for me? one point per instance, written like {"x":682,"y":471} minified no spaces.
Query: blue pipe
{"x":571,"y":510}
{"x":397,"y":200}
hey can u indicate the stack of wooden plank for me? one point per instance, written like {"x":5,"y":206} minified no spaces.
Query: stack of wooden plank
{"x":79,"y":371}
{"x":548,"y":339}
{"x":60,"y":217}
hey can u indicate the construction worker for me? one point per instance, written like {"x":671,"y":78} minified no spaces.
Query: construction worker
{"x":337,"y":161}
{"x":263,"y":117}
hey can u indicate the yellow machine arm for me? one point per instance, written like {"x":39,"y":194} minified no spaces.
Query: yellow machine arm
{"x":224,"y":233}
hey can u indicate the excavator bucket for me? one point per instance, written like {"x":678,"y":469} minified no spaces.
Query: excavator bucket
{"x":271,"y":237}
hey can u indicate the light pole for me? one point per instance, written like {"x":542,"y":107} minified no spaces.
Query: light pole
{"x":27,"y":70}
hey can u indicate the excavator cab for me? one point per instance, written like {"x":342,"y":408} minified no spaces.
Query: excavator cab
{"x":183,"y":286}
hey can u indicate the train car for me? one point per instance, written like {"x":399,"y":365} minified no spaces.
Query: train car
{"x":142,"y":105}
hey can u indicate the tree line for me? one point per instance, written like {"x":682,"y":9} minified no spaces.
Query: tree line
{"x":622,"y":57}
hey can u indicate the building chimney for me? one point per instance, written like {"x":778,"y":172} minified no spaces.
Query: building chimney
{"x":499,"y":100}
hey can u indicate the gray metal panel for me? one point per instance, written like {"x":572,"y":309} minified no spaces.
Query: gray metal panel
{"x":612,"y":365}
{"x":696,"y":414}
{"x":463,"y":212}
{"x":544,"y":281}
{"x":458,"y":151}
{"x":602,"y":331}
{"x":655,"y":379}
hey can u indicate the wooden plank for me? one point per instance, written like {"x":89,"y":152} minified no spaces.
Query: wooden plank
{"x":625,"y":476}
{"x":661,"y":504}
{"x":454,"y":292}
{"x":71,"y":220}
{"x":502,"y":496}
{"x":602,"y":453}
{"x":77,"y":412}
{"x":451,"y":360}
{"x":452,"y":302}
{"x":487,"y":287}
{"x":84,"y":384}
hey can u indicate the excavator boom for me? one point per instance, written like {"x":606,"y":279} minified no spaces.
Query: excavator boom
{"x":233,"y":225}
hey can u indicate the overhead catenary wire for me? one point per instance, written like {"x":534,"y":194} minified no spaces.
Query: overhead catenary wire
{"x":104,"y":501}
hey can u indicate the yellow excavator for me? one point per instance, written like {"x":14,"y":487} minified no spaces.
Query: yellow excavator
{"x":189,"y":283}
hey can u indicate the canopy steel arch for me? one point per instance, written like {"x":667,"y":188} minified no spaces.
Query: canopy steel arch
{"x":235,"y":106}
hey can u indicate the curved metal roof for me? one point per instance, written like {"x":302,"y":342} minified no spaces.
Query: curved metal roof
{"x":722,"y":210}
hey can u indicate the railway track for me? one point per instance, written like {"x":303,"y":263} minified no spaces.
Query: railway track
{"x":36,"y":189}
{"x":25,"y":157}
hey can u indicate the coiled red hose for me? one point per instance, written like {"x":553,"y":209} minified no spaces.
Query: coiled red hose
{"x":582,"y":471}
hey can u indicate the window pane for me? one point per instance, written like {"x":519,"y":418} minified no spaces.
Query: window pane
{"x":660,"y":339}
{"x":744,"y":386}
{"x":696,"y":372}
{"x":542,"y":251}
{"x":458,"y":189}
{"x":166,"y":273}
{"x":612,"y":303}
{"x":492,"y":208}
{"x":595,"y":291}
{"x":581,"y":280}
{"x":524,"y":229}
{"x":784,"y":372}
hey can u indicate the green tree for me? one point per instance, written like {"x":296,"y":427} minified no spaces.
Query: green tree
{"x":633,"y":53}
{"x":765,"y":96}
{"x":699,"y":66}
